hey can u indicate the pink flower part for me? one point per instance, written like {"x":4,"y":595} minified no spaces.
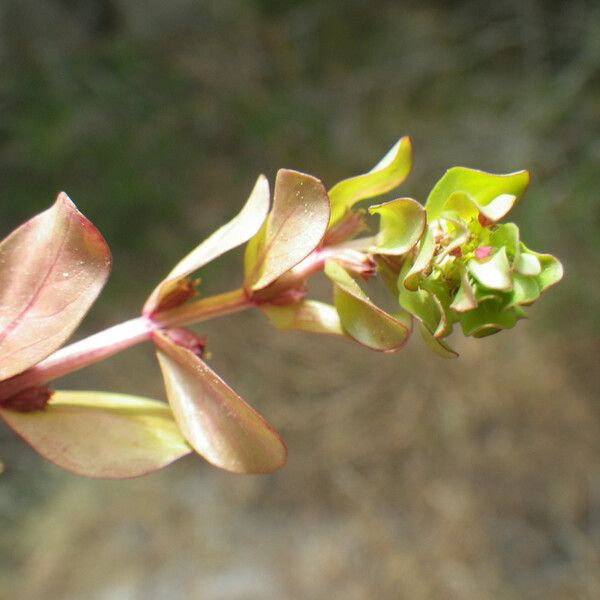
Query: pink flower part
{"x":482,"y":252}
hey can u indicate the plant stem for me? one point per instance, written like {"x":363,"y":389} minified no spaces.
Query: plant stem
{"x":113,"y":340}
{"x":80,"y":354}
{"x":203,"y":309}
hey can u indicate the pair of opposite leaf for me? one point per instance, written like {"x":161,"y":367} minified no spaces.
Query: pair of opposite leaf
{"x":54,"y":266}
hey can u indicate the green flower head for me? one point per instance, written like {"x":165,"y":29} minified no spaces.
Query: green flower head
{"x":468,"y":268}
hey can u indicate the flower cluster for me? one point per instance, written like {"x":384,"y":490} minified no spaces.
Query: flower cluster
{"x":469,"y":268}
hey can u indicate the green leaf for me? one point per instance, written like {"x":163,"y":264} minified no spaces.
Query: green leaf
{"x":216,"y":422}
{"x":482,"y":294}
{"x":386,"y":175}
{"x":402,"y":224}
{"x":424,"y":304}
{"x":494,"y":272}
{"x":528,"y":264}
{"x":231,"y":235}
{"x":466,"y":206}
{"x":253,"y":254}
{"x":489,"y":318}
{"x":294,"y":228}
{"x":551,"y":269}
{"x":361,"y":319}
{"x":307,"y":315}
{"x":525,"y":290}
{"x":440,"y":297}
{"x":482,"y":188}
{"x":421,"y":304}
{"x":422,"y":262}
{"x":438,"y":346}
{"x":465,"y":297}
{"x":52,"y":268}
{"x":101,"y":434}
{"x":507,"y":235}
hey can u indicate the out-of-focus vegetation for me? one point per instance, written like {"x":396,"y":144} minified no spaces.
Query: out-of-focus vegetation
{"x":409,"y":476}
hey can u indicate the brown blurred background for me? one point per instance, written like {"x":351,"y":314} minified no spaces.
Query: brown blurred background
{"x":409,"y":476}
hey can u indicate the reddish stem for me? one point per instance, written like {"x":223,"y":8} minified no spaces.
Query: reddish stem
{"x":120,"y":337}
{"x":79,"y":355}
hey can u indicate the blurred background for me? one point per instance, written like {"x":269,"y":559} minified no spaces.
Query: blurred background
{"x":409,"y":476}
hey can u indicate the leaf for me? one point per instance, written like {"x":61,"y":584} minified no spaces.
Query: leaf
{"x":421,"y":304}
{"x":438,"y":346}
{"x":361,"y":319}
{"x":440,"y":294}
{"x":386,"y":175}
{"x":101,"y":434}
{"x":552,"y":269}
{"x":402,"y":224}
{"x":489,"y":318}
{"x":467,"y":208}
{"x":525,"y":290}
{"x":307,"y":315}
{"x":465,"y":297}
{"x":546,"y":269}
{"x":238,"y":231}
{"x":429,"y":304}
{"x":253,"y":253}
{"x":482,"y":188}
{"x":217,"y":423}
{"x":52,"y":268}
{"x":422,"y":261}
{"x":528,"y":264}
{"x":494,"y":272}
{"x":507,"y":235}
{"x":294,"y":228}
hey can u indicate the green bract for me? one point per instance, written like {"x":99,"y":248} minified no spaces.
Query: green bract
{"x":468,"y":269}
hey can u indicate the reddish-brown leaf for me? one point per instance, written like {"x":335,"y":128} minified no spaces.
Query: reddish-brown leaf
{"x":52,"y":268}
{"x":216,"y":422}
{"x":238,"y":231}
{"x":294,"y":228}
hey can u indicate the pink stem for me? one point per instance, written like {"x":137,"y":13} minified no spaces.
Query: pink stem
{"x":120,"y":337}
{"x":80,"y":354}
{"x":204,"y":309}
